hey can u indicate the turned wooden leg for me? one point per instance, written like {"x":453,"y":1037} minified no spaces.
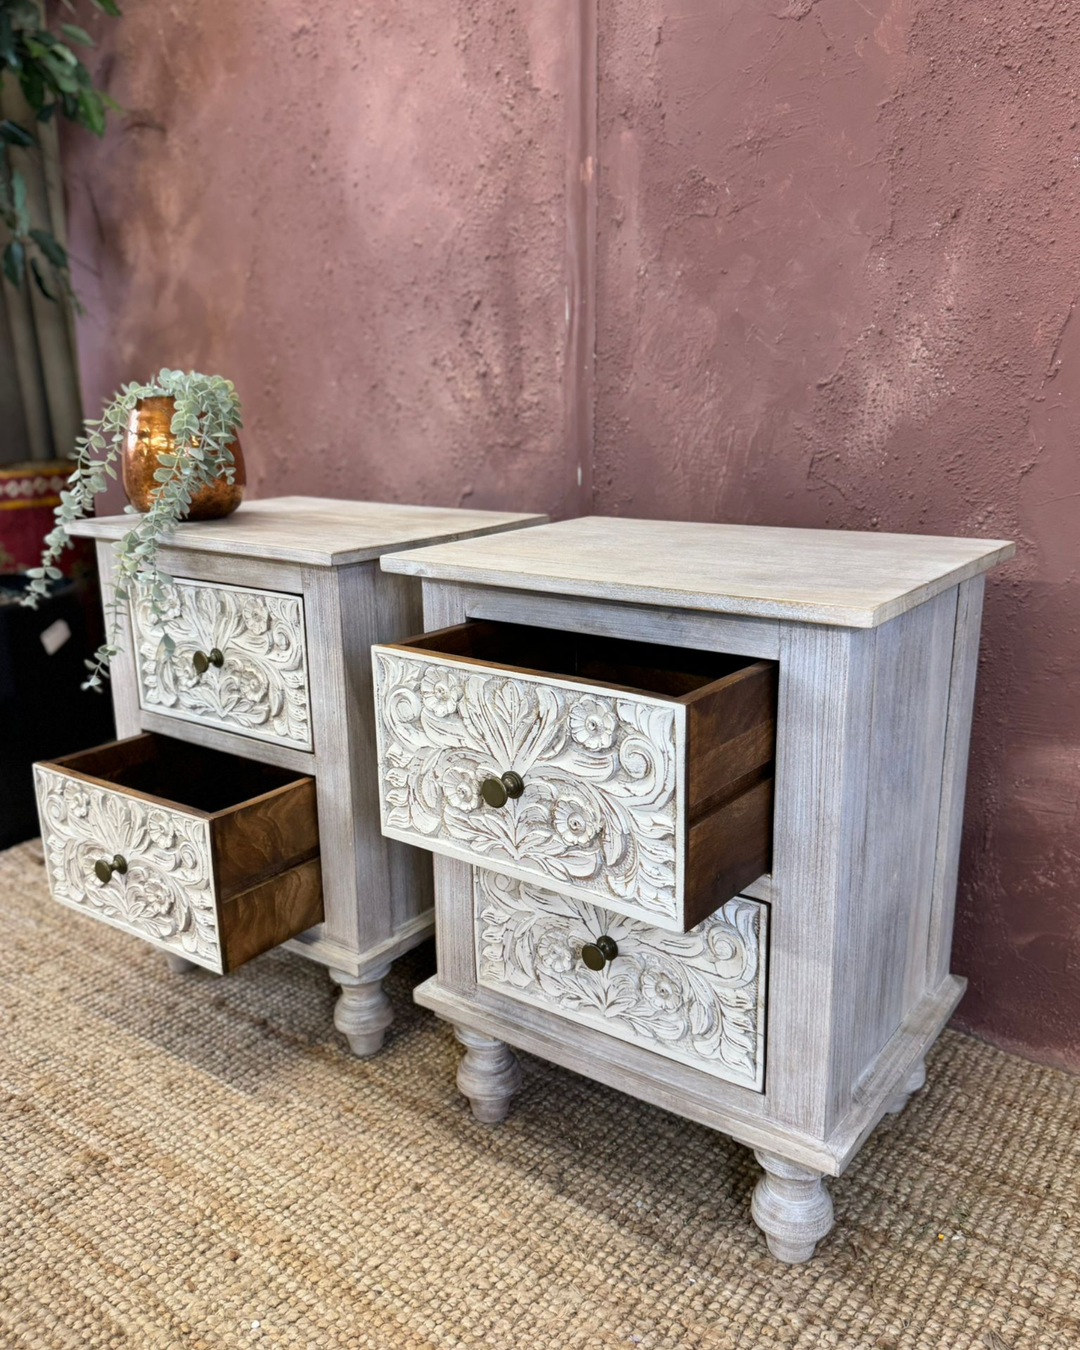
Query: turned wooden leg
{"x":900,"y":1099}
{"x":791,"y":1207}
{"x":363,"y":1011}
{"x":489,"y":1075}
{"x":179,"y":965}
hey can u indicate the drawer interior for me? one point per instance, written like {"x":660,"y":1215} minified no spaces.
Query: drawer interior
{"x":174,"y":771}
{"x":641,"y":667}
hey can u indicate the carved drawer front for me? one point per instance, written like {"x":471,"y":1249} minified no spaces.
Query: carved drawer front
{"x":696,"y":997}
{"x":239,"y":663}
{"x":201,"y":853}
{"x":634,"y":776}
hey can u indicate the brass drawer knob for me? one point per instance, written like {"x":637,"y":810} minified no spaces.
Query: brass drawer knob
{"x":497,"y":791}
{"x":597,"y":954}
{"x":103,"y":869}
{"x":202,"y":661}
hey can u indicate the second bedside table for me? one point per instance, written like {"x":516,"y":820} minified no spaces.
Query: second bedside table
{"x":246,"y":764}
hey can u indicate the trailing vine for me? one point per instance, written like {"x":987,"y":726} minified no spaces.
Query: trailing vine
{"x":204,"y":425}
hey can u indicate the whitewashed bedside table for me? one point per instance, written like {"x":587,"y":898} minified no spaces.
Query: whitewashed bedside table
{"x":246,"y":765}
{"x":695,"y":794}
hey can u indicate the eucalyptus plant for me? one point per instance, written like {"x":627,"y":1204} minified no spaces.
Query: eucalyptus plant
{"x":53,"y":80}
{"x":204,"y":425}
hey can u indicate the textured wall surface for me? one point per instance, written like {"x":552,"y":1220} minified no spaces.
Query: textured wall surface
{"x":836,"y":258}
{"x":838,"y":261}
{"x":356,"y":213}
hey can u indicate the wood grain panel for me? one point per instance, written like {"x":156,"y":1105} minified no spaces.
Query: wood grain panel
{"x":268,"y":914}
{"x":261,"y":837}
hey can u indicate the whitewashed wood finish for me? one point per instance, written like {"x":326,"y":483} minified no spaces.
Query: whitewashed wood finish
{"x":792,"y":1208}
{"x":697,"y":997}
{"x":843,"y":577}
{"x":363,"y":1012}
{"x":686,"y":1091}
{"x":166,"y":897}
{"x":602,"y":814}
{"x":321,"y":531}
{"x":232,"y":742}
{"x":823,"y":720}
{"x":872,"y":729}
{"x":965,"y":660}
{"x":916,"y":1081}
{"x":123,"y":679}
{"x":261,"y":690}
{"x":733,"y":634}
{"x":377,"y":892}
{"x":489,"y":1075}
{"x":179,"y":965}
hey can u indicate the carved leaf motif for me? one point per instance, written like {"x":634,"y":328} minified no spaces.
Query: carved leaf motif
{"x":600,"y":807}
{"x":697,"y":997}
{"x":166,"y":895}
{"x":262,"y":687}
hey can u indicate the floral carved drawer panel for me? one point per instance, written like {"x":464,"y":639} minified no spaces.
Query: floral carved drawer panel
{"x":166,"y":894}
{"x":696,"y":997}
{"x":601,"y":811}
{"x":255,"y":678}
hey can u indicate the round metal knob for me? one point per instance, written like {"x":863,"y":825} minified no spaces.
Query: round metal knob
{"x":597,"y":954}
{"x":497,"y":791}
{"x":202,"y":661}
{"x":103,"y":869}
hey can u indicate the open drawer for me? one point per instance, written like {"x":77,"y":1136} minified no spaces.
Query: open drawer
{"x":201,"y":853}
{"x":632,"y":775}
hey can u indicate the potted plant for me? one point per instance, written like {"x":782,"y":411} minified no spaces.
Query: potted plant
{"x":176,"y":438}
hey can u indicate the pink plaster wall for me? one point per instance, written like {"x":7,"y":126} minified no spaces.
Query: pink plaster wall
{"x":355,"y":211}
{"x":836,"y":261}
{"x":839,"y":253}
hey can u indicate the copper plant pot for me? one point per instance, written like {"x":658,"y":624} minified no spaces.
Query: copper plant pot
{"x":148,"y":436}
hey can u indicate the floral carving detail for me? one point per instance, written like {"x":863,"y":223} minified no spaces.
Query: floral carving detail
{"x":161,"y":828}
{"x":261,"y":689}
{"x":600,"y":810}
{"x":166,"y":895}
{"x":697,"y":997}
{"x":592,"y":724}
{"x":575,"y":820}
{"x":440,"y":692}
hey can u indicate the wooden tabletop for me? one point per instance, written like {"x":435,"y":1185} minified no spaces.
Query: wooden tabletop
{"x":849,"y":578}
{"x":321,"y":531}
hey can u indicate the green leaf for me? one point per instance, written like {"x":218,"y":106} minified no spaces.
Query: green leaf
{"x":92,"y":114}
{"x":14,"y":134}
{"x":42,"y":287}
{"x":14,"y":262}
{"x":55,"y":252}
{"x":77,"y":34}
{"x":45,"y":114}
{"x":18,"y":199}
{"x":107,"y":7}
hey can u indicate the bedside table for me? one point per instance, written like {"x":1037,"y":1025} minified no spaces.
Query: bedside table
{"x":239,"y":808}
{"x":695,"y":795}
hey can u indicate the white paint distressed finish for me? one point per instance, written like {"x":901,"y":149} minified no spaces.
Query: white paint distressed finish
{"x":872,"y":729}
{"x":603,"y":811}
{"x":686,"y":1091}
{"x":732,"y":634}
{"x":261,"y":689}
{"x":166,"y":896}
{"x":377,"y":892}
{"x":965,"y":661}
{"x":697,"y":997}
{"x":848,"y":578}
{"x":791,"y":1207}
{"x":321,"y":531}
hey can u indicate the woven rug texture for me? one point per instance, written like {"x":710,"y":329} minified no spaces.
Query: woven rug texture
{"x":199,"y":1163}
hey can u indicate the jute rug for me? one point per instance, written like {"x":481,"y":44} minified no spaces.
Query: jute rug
{"x":195,"y":1162}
